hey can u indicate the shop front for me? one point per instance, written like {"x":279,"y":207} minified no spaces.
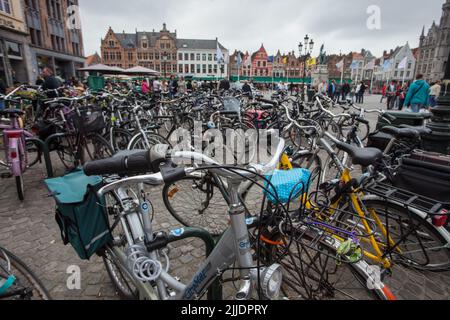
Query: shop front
{"x":13,"y":58}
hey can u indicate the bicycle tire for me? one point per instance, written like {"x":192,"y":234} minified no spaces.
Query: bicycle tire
{"x":20,"y":188}
{"x":138,"y":142}
{"x":29,"y":275}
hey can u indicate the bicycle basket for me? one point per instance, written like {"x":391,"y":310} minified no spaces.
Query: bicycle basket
{"x":88,"y":120}
{"x":287,"y":185}
{"x":232,"y":104}
{"x":80,"y":214}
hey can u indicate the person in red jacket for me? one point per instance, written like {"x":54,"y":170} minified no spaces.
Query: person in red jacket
{"x":383,"y":92}
{"x":145,"y":88}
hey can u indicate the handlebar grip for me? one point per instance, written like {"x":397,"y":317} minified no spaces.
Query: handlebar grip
{"x":123,"y":163}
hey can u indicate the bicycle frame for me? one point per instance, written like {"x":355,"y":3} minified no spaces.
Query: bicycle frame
{"x":233,"y":247}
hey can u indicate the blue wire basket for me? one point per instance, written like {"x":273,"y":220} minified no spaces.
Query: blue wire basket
{"x":287,"y":185}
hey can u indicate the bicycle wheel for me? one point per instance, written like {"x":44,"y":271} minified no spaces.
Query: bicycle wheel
{"x":26,"y":285}
{"x":138,"y":141}
{"x":421,"y":245}
{"x":312,"y":272}
{"x":120,"y":139}
{"x":96,"y":148}
{"x":65,"y":151}
{"x":34,"y":154}
{"x":197,"y":203}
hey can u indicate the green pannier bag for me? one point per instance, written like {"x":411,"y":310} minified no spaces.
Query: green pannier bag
{"x":80,"y":214}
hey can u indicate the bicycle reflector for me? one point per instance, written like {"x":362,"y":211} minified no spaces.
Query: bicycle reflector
{"x":440,"y":219}
{"x":14,"y":134}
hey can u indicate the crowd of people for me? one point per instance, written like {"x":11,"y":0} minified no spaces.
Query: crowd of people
{"x":411,"y":96}
{"x":414,"y":96}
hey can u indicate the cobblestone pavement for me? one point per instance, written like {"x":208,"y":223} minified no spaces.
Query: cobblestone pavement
{"x":29,"y":230}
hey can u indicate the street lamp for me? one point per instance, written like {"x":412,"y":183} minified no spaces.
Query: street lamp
{"x":165,"y":58}
{"x":309,"y":47}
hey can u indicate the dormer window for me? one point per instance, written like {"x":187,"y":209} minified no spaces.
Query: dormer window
{"x":111,"y":43}
{"x":144,"y":44}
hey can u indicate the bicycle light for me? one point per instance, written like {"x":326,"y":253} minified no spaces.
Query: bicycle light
{"x":272,"y":280}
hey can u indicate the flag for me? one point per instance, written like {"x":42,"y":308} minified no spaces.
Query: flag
{"x":402,"y":64}
{"x":354,"y":65}
{"x":340,"y":65}
{"x":248,"y":62}
{"x":370,"y":65}
{"x":311,"y":62}
{"x":270,"y":59}
{"x":239,"y":59}
{"x":284,"y":60}
{"x":387,"y":65}
{"x":220,"y":57}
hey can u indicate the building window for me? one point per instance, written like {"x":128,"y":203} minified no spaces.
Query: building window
{"x":192,"y":56}
{"x":210,"y":57}
{"x":163,"y":45}
{"x":5,"y":6}
{"x":192,"y":68}
{"x":204,"y":58}
{"x":157,"y":56}
{"x":180,"y":56}
{"x":150,"y":56}
{"x":210,"y":69}
{"x":180,"y":68}
{"x":215,"y":68}
{"x":186,"y":56}
{"x":204,"y":68}
{"x":186,"y":68}
{"x":111,"y":43}
{"x":199,"y":69}
{"x":198,"y":56}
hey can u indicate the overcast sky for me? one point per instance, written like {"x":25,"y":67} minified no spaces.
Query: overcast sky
{"x":279,"y":24}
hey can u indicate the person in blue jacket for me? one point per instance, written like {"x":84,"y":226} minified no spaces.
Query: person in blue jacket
{"x":418,"y":94}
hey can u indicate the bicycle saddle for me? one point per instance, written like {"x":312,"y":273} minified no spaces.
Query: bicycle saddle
{"x":400,"y":133}
{"x":421,"y":130}
{"x":364,"y":157}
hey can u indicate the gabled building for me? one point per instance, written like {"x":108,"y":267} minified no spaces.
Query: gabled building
{"x":261,"y":66}
{"x":279,"y":70}
{"x":154,"y":50}
{"x":198,"y":58}
{"x":391,"y":68}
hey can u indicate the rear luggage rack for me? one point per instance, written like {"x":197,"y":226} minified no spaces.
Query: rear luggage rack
{"x":409,"y":199}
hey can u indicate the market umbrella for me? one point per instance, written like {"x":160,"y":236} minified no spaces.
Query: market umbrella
{"x":101,"y":68}
{"x":141,"y":71}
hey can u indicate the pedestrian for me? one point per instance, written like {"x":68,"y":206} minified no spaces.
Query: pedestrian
{"x":323,"y":88}
{"x":435,"y":91}
{"x":224,"y":85}
{"x":247,"y":89}
{"x":173,"y":86}
{"x":145,"y":88}
{"x":182,"y":86}
{"x":332,"y":89}
{"x":402,"y":97}
{"x":345,"y":90}
{"x":418,"y":94}
{"x":50,"y":83}
{"x":383,"y":92}
{"x":156,"y":86}
{"x":189,"y":86}
{"x":391,"y":94}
